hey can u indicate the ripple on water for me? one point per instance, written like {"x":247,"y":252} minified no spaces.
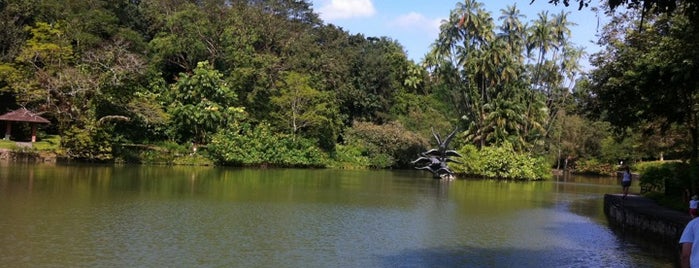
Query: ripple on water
{"x":363,"y":220}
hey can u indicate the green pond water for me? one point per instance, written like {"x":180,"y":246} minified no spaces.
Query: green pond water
{"x":150,"y":216}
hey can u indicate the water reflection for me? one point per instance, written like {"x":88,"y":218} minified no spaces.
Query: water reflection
{"x":190,"y":216}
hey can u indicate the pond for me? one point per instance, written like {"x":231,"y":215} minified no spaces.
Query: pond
{"x":150,"y":216}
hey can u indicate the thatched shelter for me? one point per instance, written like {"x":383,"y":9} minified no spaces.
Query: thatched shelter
{"x":22,"y":115}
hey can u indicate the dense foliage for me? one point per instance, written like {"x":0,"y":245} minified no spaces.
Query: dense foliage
{"x":501,"y":162}
{"x":267,"y":83}
{"x":644,"y":83}
{"x":258,"y":145}
{"x":109,"y":73}
{"x":388,"y":145}
{"x":506,"y":83}
{"x":667,"y":182}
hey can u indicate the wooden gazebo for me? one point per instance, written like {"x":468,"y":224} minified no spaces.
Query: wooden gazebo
{"x":22,"y":115}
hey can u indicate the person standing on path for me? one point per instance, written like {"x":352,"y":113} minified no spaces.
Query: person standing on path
{"x":626,"y":181}
{"x":693,"y":205}
{"x":689,"y":256}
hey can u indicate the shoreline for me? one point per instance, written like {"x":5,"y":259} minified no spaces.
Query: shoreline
{"x":644,"y":217}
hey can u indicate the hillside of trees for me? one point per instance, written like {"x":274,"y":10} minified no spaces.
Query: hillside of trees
{"x":268,"y":83}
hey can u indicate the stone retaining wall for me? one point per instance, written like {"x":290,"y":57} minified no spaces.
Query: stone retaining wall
{"x":27,"y":157}
{"x":643,"y":216}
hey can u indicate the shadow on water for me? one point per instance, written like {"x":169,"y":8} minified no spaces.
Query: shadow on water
{"x":651,"y":246}
{"x":640,"y":244}
{"x":508,"y":257}
{"x":596,"y":247}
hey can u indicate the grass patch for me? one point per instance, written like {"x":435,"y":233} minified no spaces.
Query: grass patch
{"x":48,"y":143}
{"x":7,"y":144}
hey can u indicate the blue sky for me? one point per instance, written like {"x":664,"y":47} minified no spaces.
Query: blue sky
{"x":415,"y":23}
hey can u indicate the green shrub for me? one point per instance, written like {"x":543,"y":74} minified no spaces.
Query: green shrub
{"x":654,"y":178}
{"x":669,"y":178}
{"x":675,"y":202}
{"x":259,"y":146}
{"x":174,"y":147}
{"x":381,"y":160}
{"x":666,"y":182}
{"x":89,"y":143}
{"x":349,"y":157}
{"x":501,"y":162}
{"x":471,"y":162}
{"x":594,"y":167}
{"x":388,"y":145}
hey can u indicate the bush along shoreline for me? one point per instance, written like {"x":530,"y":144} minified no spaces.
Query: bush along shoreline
{"x":260,"y":148}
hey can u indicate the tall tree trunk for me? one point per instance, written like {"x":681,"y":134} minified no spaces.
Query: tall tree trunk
{"x":694,"y":159}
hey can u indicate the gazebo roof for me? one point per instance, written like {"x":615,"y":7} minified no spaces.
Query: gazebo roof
{"x":23,"y":115}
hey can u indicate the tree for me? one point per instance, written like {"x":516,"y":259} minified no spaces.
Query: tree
{"x":127,"y":71}
{"x":667,"y":6}
{"x":386,"y":145}
{"x":636,"y":64}
{"x":188,"y":37}
{"x":301,"y":109}
{"x":13,"y":17}
{"x":45,"y":76}
{"x":507,"y":86}
{"x":202,"y":103}
{"x":645,"y":76}
{"x":457,"y":58}
{"x":376,"y":75}
{"x":554,"y":61}
{"x":126,"y":90}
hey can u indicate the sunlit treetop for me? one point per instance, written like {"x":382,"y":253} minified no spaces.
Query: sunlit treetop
{"x":655,"y":5}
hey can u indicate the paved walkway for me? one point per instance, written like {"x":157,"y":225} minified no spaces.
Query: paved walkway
{"x":648,"y":206}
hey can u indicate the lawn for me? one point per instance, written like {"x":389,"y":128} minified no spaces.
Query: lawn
{"x":48,"y":143}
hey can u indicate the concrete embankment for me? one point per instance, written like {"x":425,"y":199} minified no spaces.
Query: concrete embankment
{"x":643,"y":216}
{"x":26,"y":157}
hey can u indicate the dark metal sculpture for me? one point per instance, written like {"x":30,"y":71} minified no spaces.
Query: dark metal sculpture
{"x":435,"y":160}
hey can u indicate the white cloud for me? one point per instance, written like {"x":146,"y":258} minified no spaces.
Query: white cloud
{"x":416,"y":21}
{"x":345,"y":9}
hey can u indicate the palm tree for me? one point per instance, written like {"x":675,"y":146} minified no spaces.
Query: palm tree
{"x":489,"y":68}
{"x":541,"y":39}
{"x":460,"y":45}
{"x":554,"y":62}
{"x":513,"y":30}
{"x":489,"y":78}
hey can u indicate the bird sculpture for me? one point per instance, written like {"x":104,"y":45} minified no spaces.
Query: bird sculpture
{"x":435,"y":160}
